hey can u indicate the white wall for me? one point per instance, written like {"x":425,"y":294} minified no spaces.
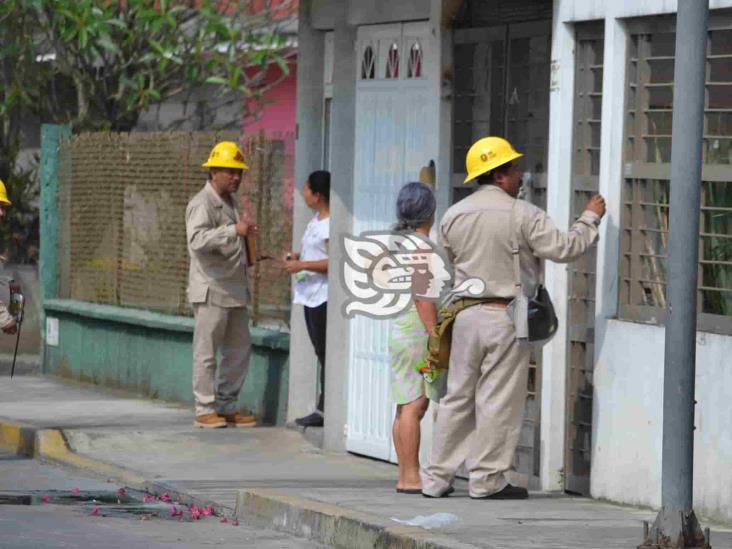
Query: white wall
{"x":626,"y":462}
{"x":628,"y":379}
{"x":559,"y":173}
{"x":325,"y":14}
{"x":303,"y":389}
{"x":587,"y":10}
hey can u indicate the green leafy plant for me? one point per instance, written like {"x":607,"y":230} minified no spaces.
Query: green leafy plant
{"x":120,"y":57}
{"x":99,"y":64}
{"x":19,"y":230}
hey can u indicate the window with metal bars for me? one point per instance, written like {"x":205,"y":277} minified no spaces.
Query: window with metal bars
{"x":645,"y":215}
{"x":588,"y":82}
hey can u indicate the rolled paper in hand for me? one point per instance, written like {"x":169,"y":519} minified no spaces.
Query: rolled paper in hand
{"x":251,"y":245}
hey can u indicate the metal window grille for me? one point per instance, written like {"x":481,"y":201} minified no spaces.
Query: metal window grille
{"x":368,"y":64}
{"x":581,"y":303}
{"x":645,"y":217}
{"x":392,"y":62}
{"x":414,"y":70}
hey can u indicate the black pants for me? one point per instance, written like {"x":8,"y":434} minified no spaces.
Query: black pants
{"x":316,"y":319}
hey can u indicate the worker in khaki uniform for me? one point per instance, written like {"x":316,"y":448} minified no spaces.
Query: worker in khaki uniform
{"x":479,"y":419}
{"x":218,"y":291}
{"x":8,"y":323}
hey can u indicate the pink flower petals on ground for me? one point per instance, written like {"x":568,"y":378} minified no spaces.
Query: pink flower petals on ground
{"x":223,"y":520}
{"x":45,"y":499}
{"x":75,"y":490}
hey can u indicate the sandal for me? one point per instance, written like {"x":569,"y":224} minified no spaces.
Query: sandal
{"x":409,"y":490}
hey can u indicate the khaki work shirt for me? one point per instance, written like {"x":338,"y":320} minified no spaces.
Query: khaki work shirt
{"x":5,"y":296}
{"x":476,"y":233}
{"x":5,"y":316}
{"x":218,"y":255}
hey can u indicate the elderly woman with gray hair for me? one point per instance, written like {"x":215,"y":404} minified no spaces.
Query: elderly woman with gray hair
{"x":415,"y":209}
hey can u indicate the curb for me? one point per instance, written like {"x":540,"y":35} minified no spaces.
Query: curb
{"x":326,"y":523}
{"x":18,"y":439}
{"x":160,"y":488}
{"x":332,"y":525}
{"x":51,"y":445}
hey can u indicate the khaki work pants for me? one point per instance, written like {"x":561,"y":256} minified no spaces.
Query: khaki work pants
{"x":479,"y":419}
{"x":226,"y":330}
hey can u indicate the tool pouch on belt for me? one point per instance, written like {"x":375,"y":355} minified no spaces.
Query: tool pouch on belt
{"x":440,"y":337}
{"x":534,"y":318}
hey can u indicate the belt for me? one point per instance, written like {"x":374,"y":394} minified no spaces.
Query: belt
{"x":498,"y":301}
{"x":464,"y":302}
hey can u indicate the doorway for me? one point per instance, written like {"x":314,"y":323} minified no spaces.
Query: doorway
{"x":501,"y":87}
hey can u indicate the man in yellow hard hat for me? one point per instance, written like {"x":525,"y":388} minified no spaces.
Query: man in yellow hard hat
{"x":479,"y":419}
{"x":218,"y":290}
{"x":7,"y":321}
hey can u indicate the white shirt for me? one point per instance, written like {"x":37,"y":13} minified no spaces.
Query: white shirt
{"x":311,"y":288}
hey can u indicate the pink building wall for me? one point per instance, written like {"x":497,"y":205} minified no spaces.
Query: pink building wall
{"x":278,"y":116}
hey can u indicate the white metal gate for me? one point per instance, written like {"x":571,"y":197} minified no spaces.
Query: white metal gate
{"x":396,"y":135}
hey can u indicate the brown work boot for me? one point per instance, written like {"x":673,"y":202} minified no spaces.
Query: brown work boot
{"x":210,"y":421}
{"x":238,"y":420}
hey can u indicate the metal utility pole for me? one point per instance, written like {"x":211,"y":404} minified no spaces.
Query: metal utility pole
{"x":676,"y":525}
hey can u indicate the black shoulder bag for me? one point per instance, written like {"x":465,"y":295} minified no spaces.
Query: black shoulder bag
{"x":534,"y":318}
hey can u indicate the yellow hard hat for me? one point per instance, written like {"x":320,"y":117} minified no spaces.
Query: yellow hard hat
{"x":4,"y":195}
{"x":487,"y":154}
{"x":226,"y":154}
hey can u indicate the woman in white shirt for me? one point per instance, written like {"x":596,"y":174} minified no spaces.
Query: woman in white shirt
{"x":310,"y":268}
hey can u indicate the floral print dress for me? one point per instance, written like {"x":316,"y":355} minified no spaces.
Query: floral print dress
{"x":407,"y":348}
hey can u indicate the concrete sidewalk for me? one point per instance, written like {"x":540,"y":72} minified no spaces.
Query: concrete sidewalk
{"x":275,"y":477}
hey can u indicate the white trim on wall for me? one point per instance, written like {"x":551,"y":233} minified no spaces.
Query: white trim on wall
{"x":574,"y":11}
{"x":559,"y":200}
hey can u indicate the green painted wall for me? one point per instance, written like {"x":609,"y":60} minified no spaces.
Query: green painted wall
{"x":51,"y":135}
{"x":140,"y":351}
{"x":150,"y":354}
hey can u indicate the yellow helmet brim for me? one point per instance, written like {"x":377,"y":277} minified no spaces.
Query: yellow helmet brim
{"x":490,"y":167}
{"x":225,"y":164}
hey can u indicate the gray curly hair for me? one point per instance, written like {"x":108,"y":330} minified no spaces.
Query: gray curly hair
{"x":415,"y":206}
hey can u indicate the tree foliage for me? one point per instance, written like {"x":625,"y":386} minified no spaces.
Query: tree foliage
{"x":119,"y":57}
{"x":21,"y":77}
{"x":98,"y":64}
